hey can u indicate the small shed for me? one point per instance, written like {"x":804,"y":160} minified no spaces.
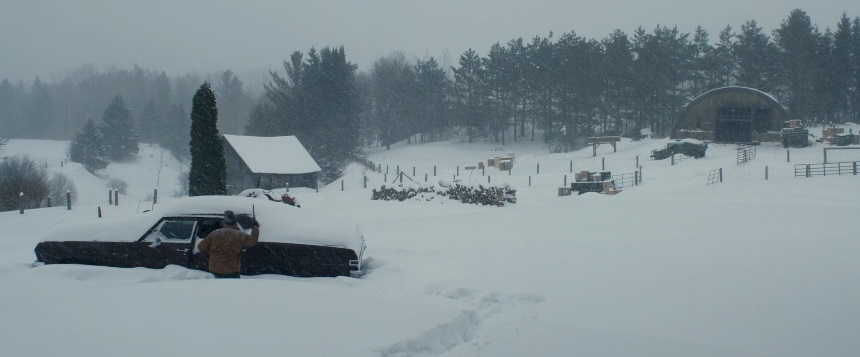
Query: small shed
{"x":268,"y":163}
{"x":731,"y":114}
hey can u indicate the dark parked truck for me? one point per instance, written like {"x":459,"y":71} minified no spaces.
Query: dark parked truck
{"x":795,"y":137}
{"x":292,"y":241}
{"x":689,"y":147}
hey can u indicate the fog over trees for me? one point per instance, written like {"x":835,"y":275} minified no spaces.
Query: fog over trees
{"x":559,"y":88}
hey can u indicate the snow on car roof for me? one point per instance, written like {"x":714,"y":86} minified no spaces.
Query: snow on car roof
{"x":279,"y":222}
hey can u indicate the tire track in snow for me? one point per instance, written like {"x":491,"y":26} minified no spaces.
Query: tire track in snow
{"x":444,"y":337}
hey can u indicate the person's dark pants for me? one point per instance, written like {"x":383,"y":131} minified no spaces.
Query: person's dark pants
{"x":226,"y":276}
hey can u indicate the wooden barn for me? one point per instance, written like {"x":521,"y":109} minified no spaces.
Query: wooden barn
{"x":731,"y":115}
{"x":268,"y":163}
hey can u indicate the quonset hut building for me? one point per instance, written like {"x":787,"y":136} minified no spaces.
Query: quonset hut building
{"x":731,"y":115}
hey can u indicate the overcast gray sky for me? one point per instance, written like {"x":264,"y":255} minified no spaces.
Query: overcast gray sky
{"x":50,"y":37}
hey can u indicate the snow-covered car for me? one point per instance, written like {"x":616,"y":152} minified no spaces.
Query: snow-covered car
{"x":292,"y":241}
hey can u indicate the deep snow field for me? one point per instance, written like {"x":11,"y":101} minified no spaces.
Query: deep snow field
{"x":673,"y":267}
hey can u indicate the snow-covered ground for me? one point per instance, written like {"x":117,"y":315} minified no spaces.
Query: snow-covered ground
{"x":674,"y":267}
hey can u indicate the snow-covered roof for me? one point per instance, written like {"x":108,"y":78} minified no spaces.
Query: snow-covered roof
{"x":273,"y":155}
{"x":279,"y":222}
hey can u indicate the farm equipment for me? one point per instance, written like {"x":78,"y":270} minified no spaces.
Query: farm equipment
{"x":600,"y":182}
{"x":795,"y":137}
{"x":686,"y":147}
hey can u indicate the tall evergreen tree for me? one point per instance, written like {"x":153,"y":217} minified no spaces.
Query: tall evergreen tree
{"x":724,"y":56}
{"x":88,"y":149}
{"x":797,"y":40}
{"x":208,"y":174}
{"x":854,"y":87}
{"x":234,"y":105}
{"x":470,"y":85}
{"x":619,"y":79}
{"x":755,"y":55}
{"x":433,"y":105}
{"x":842,"y":76}
{"x":394,"y":97}
{"x":151,"y":123}
{"x":175,"y":138}
{"x":118,"y":131}
{"x":41,"y":112}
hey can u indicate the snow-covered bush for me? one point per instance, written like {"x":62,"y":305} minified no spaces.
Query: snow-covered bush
{"x":118,"y":185}
{"x":466,"y":193}
{"x":60,"y":184}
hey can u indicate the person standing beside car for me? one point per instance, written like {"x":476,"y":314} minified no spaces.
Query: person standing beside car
{"x":225,"y":246}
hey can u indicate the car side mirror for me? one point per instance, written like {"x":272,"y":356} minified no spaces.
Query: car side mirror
{"x":156,"y":243}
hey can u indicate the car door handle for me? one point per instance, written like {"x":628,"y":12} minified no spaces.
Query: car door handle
{"x":182,"y":250}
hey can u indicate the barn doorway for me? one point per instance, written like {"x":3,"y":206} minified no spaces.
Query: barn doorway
{"x":733,"y":125}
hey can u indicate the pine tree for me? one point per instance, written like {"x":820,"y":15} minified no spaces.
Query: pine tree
{"x":176,"y":132}
{"x":841,"y":75}
{"x":208,"y":174}
{"x":471,"y":91}
{"x":755,"y":55}
{"x":797,"y":38}
{"x":87,"y":148}
{"x":118,"y":131}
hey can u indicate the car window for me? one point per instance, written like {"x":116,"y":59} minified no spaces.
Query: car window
{"x":207,"y":226}
{"x":173,"y":230}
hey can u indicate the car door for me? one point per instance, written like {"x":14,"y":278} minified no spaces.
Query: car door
{"x":168,"y":242}
{"x":200,"y":260}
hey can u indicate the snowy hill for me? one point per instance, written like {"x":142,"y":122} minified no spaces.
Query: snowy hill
{"x":672,"y":267}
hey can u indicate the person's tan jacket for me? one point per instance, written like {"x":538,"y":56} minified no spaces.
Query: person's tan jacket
{"x":225,"y":247}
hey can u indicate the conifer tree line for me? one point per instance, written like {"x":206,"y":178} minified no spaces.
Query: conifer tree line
{"x":158,"y":105}
{"x":560,"y":89}
{"x":568,"y":88}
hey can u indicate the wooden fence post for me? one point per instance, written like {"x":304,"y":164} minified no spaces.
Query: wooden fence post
{"x":571,"y":167}
{"x":807,"y":171}
{"x":603,"y":163}
{"x":488,"y":179}
{"x":787,"y":156}
{"x":365,"y":181}
{"x":637,"y":161}
{"x":530,"y":180}
{"x":21,"y":203}
{"x":458,"y":171}
{"x":765,"y":172}
{"x":565,"y":180}
{"x":69,"y":200}
{"x":635,"y":178}
{"x":100,"y":211}
{"x":110,"y":197}
{"x":341,"y":185}
{"x":434,"y":170}
{"x":413,"y":171}
{"x":116,"y":197}
{"x":538,"y":168}
{"x":425,"y":177}
{"x":155,"y":196}
{"x":721,"y":174}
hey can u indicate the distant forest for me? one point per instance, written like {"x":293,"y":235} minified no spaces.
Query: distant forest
{"x":563,"y":87}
